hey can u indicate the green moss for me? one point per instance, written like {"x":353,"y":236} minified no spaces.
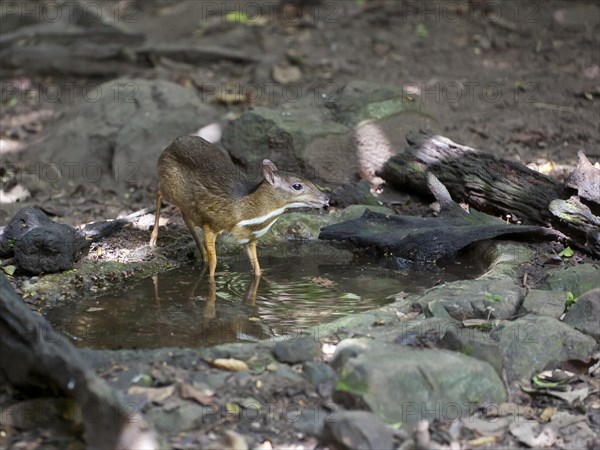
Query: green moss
{"x":346,"y":383}
{"x":467,"y":349}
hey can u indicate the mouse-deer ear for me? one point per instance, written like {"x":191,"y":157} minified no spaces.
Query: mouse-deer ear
{"x":269,"y":171}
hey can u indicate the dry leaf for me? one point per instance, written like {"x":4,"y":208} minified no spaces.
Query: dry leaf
{"x":235,"y":441}
{"x":483,"y":440}
{"x":526,"y":432}
{"x":232,"y":408}
{"x":570,"y":396}
{"x":322,"y":281}
{"x":286,"y":74}
{"x":234,"y":365}
{"x":547,"y":413}
{"x":229,"y":98}
{"x":17,"y":194}
{"x":154,"y":395}
{"x":188,"y":391}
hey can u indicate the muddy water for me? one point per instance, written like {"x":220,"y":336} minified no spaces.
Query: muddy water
{"x":180,"y":308}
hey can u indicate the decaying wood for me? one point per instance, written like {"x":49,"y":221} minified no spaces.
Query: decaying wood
{"x":427,"y":239}
{"x":33,"y":355}
{"x":195,"y":54}
{"x":579,"y":217}
{"x":489,"y":184}
{"x":586,"y":179}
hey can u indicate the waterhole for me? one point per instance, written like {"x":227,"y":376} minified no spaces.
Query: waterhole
{"x":180,"y":308}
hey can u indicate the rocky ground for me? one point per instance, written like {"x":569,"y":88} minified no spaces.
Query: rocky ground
{"x":468,"y":356}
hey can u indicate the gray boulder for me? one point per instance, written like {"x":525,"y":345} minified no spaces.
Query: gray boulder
{"x":544,"y":303}
{"x":116,"y":136}
{"x":352,"y":132}
{"x":585,"y":314}
{"x":577,"y":279}
{"x":533,"y":343}
{"x":358,"y":430}
{"x":406,"y":385}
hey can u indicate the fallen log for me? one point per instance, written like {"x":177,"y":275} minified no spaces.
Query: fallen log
{"x":427,"y":239}
{"x":489,"y":184}
{"x":33,"y":355}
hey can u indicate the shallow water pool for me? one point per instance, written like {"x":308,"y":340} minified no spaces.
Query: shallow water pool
{"x":299,"y":289}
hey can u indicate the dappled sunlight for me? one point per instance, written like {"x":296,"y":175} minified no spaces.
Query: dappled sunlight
{"x":373,"y":149}
{"x":8,"y":146}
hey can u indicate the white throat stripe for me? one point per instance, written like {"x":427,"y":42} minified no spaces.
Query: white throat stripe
{"x":259,"y":233}
{"x":277,"y":212}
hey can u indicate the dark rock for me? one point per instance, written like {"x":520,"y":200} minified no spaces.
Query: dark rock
{"x":358,"y":430}
{"x":355,"y":193}
{"x":321,"y":375}
{"x":406,"y":385}
{"x":585,"y":314}
{"x":533,"y":343}
{"x":48,"y":249}
{"x":116,"y":140}
{"x":21,"y":223}
{"x":311,"y":419}
{"x":40,"y":245}
{"x":544,"y":303}
{"x":296,"y":350}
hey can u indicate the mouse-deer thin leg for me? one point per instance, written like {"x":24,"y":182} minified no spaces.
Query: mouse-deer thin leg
{"x":209,"y":238}
{"x":154,"y":235}
{"x":251,"y":252}
{"x":192,"y":228}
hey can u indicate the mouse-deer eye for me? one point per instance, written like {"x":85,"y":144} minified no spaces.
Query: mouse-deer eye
{"x":297,"y":187}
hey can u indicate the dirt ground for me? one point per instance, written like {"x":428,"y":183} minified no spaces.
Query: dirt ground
{"x":517,"y":79}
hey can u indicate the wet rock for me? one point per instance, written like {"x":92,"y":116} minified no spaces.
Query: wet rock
{"x":40,"y":245}
{"x":117,"y":139}
{"x":321,"y":375}
{"x":406,"y":385}
{"x":544,"y":303}
{"x":358,"y":430}
{"x":296,"y":350}
{"x":491,"y":296}
{"x":584,"y":315}
{"x":533,"y":343}
{"x":352,"y":132}
{"x":577,"y":280}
